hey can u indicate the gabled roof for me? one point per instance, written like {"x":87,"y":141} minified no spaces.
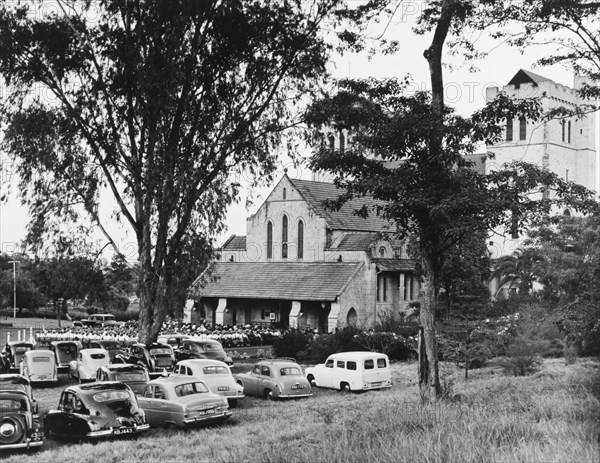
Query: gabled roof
{"x":527,"y":77}
{"x":235,"y":243}
{"x":315,"y":193}
{"x":356,"y":242}
{"x":395,"y":265}
{"x":294,"y":281}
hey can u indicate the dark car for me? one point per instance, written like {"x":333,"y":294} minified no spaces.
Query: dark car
{"x":96,"y":410}
{"x":135,"y":376}
{"x":65,"y":352}
{"x":13,"y":352}
{"x":113,"y":347}
{"x":19,"y":421}
{"x":156,"y":357}
{"x":199,"y":349}
{"x":15,"y":382}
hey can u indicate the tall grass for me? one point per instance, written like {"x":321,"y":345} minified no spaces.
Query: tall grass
{"x":553,"y":415}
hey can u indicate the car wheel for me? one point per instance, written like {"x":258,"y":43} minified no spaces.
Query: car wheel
{"x":12,"y":429}
{"x":269,"y":394}
{"x":311,"y":380}
{"x":345,"y":387}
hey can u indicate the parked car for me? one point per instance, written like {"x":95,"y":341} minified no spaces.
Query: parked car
{"x":65,"y":352}
{"x":352,"y":371}
{"x":39,"y":366}
{"x":174,"y":340}
{"x":87,"y":364}
{"x":157,"y":358}
{"x":199,"y":349}
{"x":19,"y":423}
{"x":96,"y":410}
{"x":275,"y":379}
{"x":14,"y":351}
{"x":135,"y":376}
{"x":100,"y":319}
{"x":216,"y":375}
{"x":182,"y":401}
{"x":112,"y":347}
{"x":16,"y":382}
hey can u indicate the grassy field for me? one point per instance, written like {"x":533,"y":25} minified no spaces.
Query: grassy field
{"x":553,"y":415}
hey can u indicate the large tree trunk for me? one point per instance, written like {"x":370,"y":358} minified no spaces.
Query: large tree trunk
{"x":429,"y":380}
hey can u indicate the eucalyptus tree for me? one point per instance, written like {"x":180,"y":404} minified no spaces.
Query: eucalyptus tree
{"x":158,"y":105}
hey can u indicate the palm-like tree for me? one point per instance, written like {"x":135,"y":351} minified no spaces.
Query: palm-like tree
{"x":518,"y":271}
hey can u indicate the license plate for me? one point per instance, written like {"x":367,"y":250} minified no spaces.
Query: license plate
{"x":297,"y":386}
{"x":375,"y":384}
{"x":119,"y":431}
{"x":223,"y":388}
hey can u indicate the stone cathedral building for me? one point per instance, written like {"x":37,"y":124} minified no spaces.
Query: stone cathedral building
{"x":566,"y":146}
{"x":300,"y":265}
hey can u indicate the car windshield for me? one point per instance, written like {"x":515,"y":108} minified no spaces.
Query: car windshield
{"x":41,"y":359}
{"x":67,"y":348}
{"x":160,"y":351}
{"x":121,"y":402}
{"x":130,"y":376}
{"x":10,"y":405}
{"x":21,"y":349}
{"x":97,"y":356}
{"x":190,"y":388}
{"x":215,"y":370}
{"x":290,"y":371}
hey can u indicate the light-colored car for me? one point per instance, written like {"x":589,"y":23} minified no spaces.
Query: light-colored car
{"x":352,"y":371}
{"x":275,"y":379}
{"x":182,"y":401}
{"x":87,"y":364}
{"x":39,"y":366}
{"x":135,"y":376}
{"x":216,"y":375}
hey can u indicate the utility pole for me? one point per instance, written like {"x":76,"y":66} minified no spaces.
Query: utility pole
{"x":14,"y":262}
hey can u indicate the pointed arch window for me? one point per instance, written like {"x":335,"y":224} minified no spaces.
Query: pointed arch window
{"x":284,"y":237}
{"x":522,"y":129}
{"x":509,"y":130}
{"x":569,"y":132}
{"x":342,"y":142}
{"x":269,"y":240}
{"x":300,"y":239}
{"x":285,"y":193}
{"x":331,"y":140}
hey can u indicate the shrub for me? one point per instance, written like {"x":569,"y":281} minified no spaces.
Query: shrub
{"x":290,"y":343}
{"x":322,"y":346}
{"x":522,"y":357}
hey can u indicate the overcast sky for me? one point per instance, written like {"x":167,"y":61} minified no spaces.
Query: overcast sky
{"x":464,"y":90}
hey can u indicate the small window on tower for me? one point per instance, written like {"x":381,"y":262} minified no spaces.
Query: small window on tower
{"x":284,"y":193}
{"x":522,"y":128}
{"x":569,"y":132}
{"x":509,"y":130}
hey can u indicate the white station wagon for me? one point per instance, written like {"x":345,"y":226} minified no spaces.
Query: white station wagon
{"x":352,"y":371}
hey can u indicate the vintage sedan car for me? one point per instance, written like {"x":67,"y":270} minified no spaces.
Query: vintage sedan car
{"x":39,"y":366}
{"x":135,"y":376}
{"x":216,"y":375}
{"x":275,"y":379}
{"x":87,"y":364}
{"x":112,"y":347}
{"x":13,"y":352}
{"x":157,"y":358}
{"x":65,"y":352}
{"x":19,"y":423}
{"x":352,"y":371}
{"x":202,"y":349}
{"x":174,"y":340}
{"x":16,"y":382}
{"x":96,"y":410}
{"x":182,"y":401}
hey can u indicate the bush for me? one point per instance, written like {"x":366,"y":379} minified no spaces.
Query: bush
{"x":322,"y":346}
{"x":522,"y":357}
{"x":393,"y":345}
{"x":291,"y":343}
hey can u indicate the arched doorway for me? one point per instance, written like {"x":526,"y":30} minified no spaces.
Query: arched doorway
{"x":351,"y":318}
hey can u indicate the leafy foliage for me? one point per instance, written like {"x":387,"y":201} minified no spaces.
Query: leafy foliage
{"x":159,"y":105}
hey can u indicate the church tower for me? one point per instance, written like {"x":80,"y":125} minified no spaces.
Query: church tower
{"x":565,"y":146}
